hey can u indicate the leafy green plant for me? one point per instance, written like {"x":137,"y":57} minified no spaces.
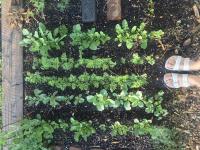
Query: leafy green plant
{"x":44,"y":40}
{"x":135,"y":36}
{"x":129,"y":100}
{"x":150,"y":60}
{"x":138,"y":60}
{"x":46,"y":63}
{"x":158,"y":109}
{"x":156,"y":35}
{"x":101,"y":100}
{"x":153,"y":105}
{"x":123,"y":60}
{"x":158,"y":134}
{"x":32,"y":134}
{"x":87,"y":40}
{"x":81,"y":129}
{"x":151,"y":8}
{"x":119,"y":129}
{"x":52,"y":100}
{"x":39,"y":5}
{"x":85,"y":81}
{"x":131,"y":36}
{"x":63,"y":4}
{"x":103,"y":127}
{"x":38,"y":133}
{"x":66,"y":63}
{"x":150,"y":104}
{"x":96,"y":63}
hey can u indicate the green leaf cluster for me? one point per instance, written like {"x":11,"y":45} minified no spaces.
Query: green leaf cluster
{"x":151,"y":8}
{"x":131,"y":36}
{"x":87,"y":81}
{"x":129,"y":100}
{"x":88,"y":40}
{"x":138,"y":60}
{"x":66,"y":63}
{"x":39,"y":5}
{"x":158,"y":134}
{"x":135,"y":36}
{"x":150,"y":60}
{"x":96,"y":63}
{"x":53,"y":100}
{"x":81,"y":129}
{"x":32,"y":134}
{"x":63,"y":4}
{"x":38,"y":133}
{"x":156,"y":35}
{"x":101,"y":100}
{"x":44,"y":40}
{"x":118,"y":129}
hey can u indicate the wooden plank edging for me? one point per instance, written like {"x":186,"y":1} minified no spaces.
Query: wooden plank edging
{"x":12,"y":68}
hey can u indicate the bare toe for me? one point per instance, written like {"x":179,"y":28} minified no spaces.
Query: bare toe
{"x":170,"y":62}
{"x":168,"y":80}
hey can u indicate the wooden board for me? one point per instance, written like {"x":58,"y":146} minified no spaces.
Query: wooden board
{"x":12,"y":70}
{"x":88,"y":10}
{"x":114,"y":10}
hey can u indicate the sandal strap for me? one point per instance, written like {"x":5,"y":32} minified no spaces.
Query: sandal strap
{"x":186,"y":66}
{"x":185,"y":80}
{"x":178,"y":62}
{"x":175,"y":80}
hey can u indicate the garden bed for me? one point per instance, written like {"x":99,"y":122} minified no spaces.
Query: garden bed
{"x":107,"y":91}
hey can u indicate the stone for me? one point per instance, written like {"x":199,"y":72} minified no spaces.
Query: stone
{"x":196,"y":11}
{"x":187,"y":42}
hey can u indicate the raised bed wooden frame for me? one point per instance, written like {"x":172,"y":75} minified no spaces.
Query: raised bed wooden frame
{"x":12,"y":70}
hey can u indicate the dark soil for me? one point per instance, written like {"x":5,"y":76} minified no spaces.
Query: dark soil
{"x":174,"y":17}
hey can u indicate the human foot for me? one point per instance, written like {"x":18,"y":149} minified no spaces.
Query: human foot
{"x":173,"y":80}
{"x":178,"y":63}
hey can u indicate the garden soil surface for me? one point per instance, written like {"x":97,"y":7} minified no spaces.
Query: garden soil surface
{"x":176,"y":18}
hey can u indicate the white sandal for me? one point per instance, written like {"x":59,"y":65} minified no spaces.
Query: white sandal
{"x":185,"y":83}
{"x":179,"y":59}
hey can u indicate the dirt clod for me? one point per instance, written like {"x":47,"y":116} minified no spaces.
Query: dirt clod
{"x":187,"y":42}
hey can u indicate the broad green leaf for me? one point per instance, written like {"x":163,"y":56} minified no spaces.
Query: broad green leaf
{"x":90,"y":98}
{"x":144,"y":44}
{"x":42,"y":28}
{"x":127,"y":105}
{"x":125,"y":24}
{"x":93,"y":46}
{"x":100,"y":107}
{"x":25,"y":32}
{"x":104,"y":92}
{"x":77,"y":27}
{"x":129,"y":45}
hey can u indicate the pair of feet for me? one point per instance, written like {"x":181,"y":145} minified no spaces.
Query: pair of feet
{"x":178,"y":63}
